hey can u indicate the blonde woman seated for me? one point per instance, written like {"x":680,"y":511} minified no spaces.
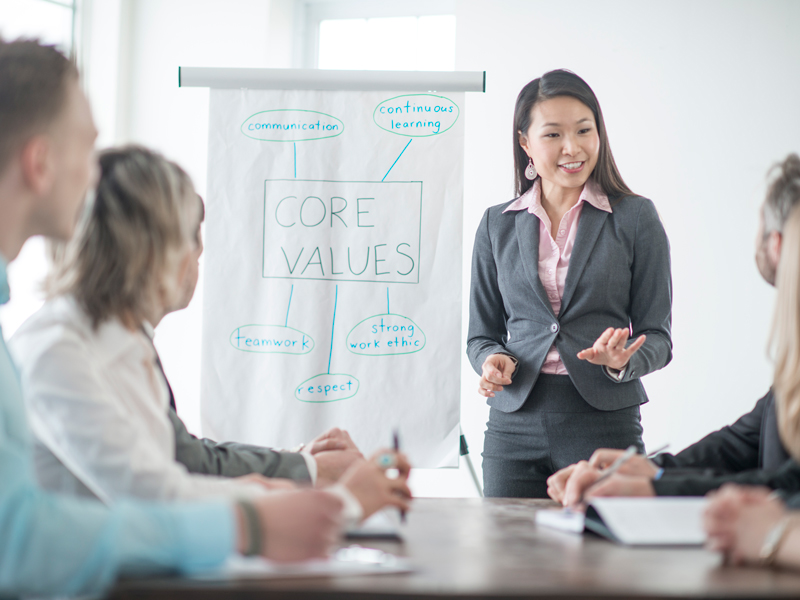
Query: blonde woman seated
{"x":97,"y":398}
{"x":751,"y":524}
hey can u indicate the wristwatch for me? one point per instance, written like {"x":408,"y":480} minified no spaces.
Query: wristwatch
{"x":773,"y":540}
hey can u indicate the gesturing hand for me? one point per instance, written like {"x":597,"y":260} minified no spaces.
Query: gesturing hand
{"x":497,"y":371}
{"x":610,"y":350}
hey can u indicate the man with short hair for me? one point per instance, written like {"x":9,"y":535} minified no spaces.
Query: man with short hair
{"x":748,"y":452}
{"x":56,"y":545}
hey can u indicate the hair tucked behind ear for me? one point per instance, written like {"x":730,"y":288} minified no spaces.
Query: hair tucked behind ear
{"x":552,"y":85}
{"x":126,"y":248}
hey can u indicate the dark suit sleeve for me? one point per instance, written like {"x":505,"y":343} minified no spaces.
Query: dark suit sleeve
{"x":487,"y":318}
{"x":786,"y":479}
{"x":229,"y":459}
{"x":732,"y":449}
{"x":651,"y":295}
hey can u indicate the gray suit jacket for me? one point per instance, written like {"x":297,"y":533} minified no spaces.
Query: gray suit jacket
{"x":229,"y":459}
{"x":619,"y":274}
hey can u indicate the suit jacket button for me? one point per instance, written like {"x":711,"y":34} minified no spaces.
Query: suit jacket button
{"x":554,"y":327}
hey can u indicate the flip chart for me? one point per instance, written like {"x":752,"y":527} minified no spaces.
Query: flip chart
{"x":332,"y":275}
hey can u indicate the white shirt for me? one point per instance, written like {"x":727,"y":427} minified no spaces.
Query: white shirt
{"x":97,"y":403}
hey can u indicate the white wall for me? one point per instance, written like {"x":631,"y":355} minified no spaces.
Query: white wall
{"x":700,"y":99}
{"x":165,"y":34}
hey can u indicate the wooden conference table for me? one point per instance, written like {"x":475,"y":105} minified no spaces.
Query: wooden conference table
{"x":473,"y":548}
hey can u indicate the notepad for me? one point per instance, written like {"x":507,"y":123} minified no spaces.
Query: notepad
{"x":384,"y":524}
{"x":345,"y":562}
{"x":635,"y":521}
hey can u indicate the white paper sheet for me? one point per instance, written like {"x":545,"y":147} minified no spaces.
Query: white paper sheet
{"x":383,"y":524}
{"x":332,"y":292}
{"x":653,"y":521}
{"x":351,"y":561}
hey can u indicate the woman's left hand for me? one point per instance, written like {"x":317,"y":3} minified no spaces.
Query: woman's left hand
{"x":610,"y":350}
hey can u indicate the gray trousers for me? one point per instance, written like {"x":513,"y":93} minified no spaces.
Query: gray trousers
{"x":554,"y":429}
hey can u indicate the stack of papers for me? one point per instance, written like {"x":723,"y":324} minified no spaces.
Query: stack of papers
{"x":635,"y":521}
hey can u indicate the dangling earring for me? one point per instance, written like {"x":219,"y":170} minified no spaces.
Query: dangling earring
{"x":530,"y":170}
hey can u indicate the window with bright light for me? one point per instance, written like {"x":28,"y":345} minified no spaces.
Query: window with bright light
{"x":51,"y":21}
{"x":424,"y":43}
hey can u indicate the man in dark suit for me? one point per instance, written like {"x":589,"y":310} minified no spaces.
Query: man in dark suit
{"x":747,"y":452}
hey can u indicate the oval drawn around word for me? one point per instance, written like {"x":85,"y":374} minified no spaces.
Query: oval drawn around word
{"x":385,"y":335}
{"x":291,"y":125}
{"x":271,"y":339}
{"x":416,"y":115}
{"x":327,"y":387}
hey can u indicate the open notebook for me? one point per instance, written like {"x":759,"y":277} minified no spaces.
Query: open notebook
{"x":635,"y":521}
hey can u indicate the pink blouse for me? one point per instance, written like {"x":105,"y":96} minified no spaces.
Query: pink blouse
{"x":554,"y":254}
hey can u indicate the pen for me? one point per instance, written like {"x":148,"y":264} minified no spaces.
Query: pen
{"x":615,"y":466}
{"x":396,"y":446}
{"x":657,"y":451}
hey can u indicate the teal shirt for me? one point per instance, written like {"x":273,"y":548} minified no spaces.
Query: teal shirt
{"x":52,"y":544}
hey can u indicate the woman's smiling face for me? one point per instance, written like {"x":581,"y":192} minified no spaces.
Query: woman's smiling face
{"x":563,"y":141}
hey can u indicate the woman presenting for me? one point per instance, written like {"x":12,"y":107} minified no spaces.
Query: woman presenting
{"x":561,"y":277}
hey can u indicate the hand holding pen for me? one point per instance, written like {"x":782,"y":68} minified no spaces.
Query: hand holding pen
{"x":374,"y":487}
{"x":638,"y":464}
{"x":588,"y":481}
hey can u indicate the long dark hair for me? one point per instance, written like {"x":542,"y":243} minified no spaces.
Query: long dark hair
{"x":564,"y":83}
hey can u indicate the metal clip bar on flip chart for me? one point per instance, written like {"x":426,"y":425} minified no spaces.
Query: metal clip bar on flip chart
{"x":322,"y":79}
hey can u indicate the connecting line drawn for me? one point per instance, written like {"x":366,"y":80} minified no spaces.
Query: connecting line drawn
{"x":396,"y":159}
{"x":272,"y":339}
{"x":333,"y":326}
{"x":291,"y":293}
{"x":328,"y":387}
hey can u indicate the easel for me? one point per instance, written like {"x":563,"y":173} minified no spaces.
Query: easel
{"x":464,"y":451}
{"x":314,"y":79}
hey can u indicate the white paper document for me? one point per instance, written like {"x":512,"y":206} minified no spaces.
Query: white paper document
{"x":635,"y":521}
{"x":350,"y":561}
{"x":383,"y":524}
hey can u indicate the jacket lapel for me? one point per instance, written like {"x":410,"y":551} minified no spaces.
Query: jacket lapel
{"x":527,"y":226}
{"x":591,"y":222}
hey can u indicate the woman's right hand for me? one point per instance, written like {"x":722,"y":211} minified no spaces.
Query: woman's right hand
{"x":497,"y":370}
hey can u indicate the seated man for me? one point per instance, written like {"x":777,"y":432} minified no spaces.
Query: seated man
{"x":749,"y":451}
{"x":52,"y":545}
{"x":749,"y":524}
